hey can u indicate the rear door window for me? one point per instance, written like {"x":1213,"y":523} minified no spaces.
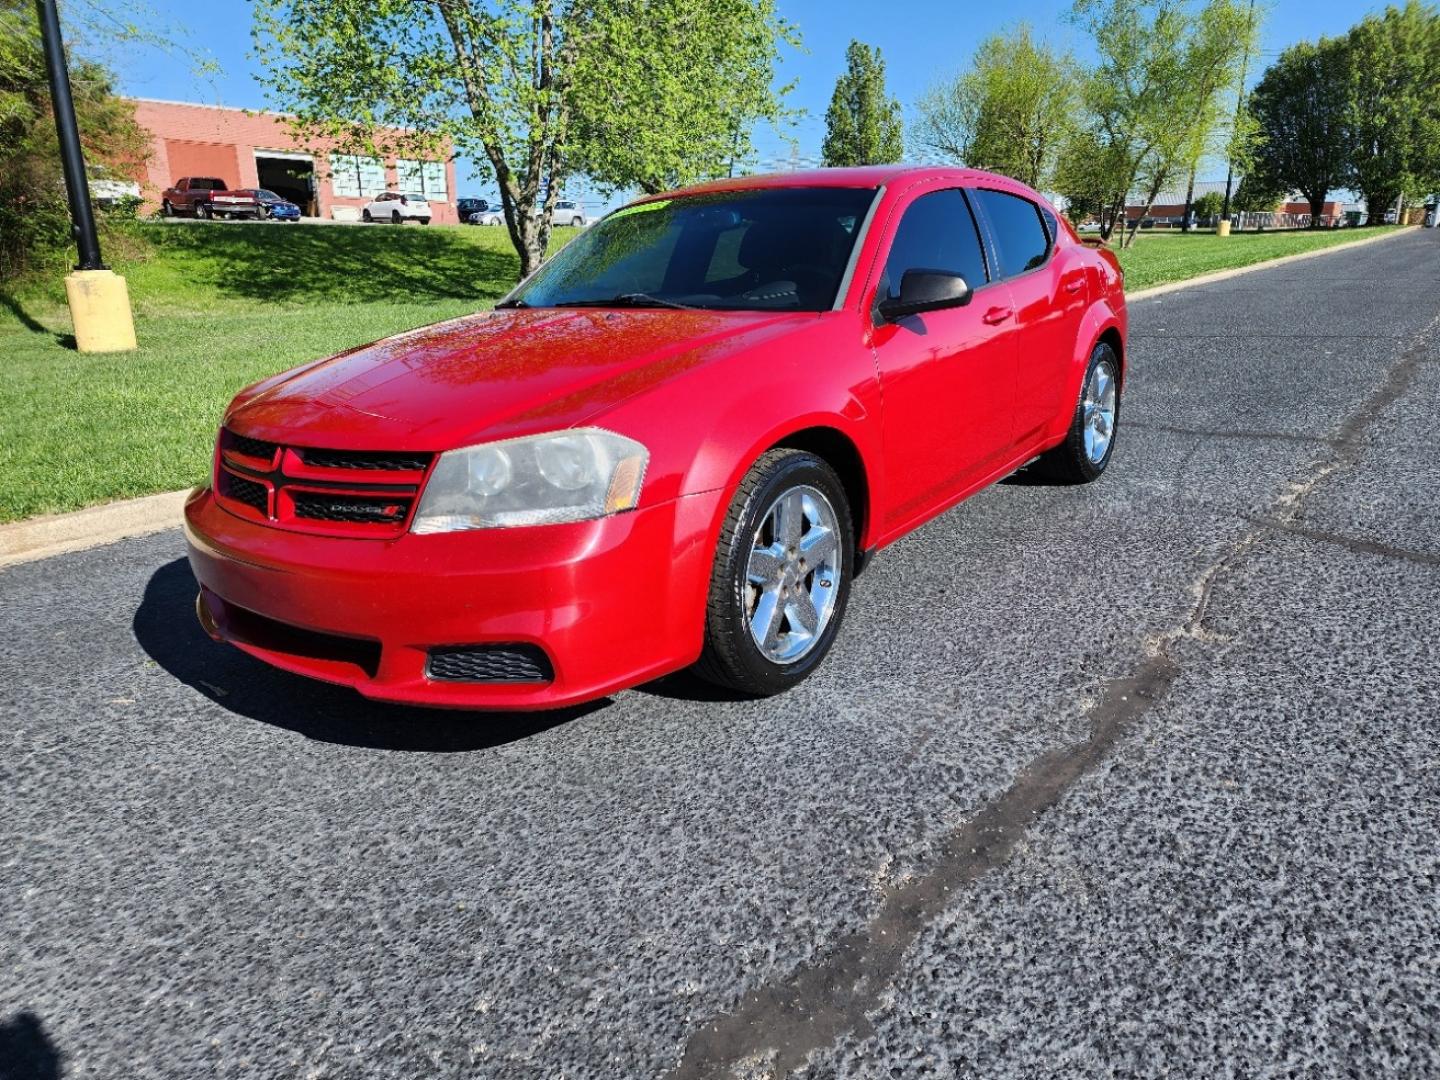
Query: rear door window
{"x":1020,"y":234}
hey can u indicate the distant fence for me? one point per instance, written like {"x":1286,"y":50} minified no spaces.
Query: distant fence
{"x":1248,"y":220}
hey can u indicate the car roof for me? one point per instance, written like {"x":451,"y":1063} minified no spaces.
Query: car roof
{"x":865,"y":176}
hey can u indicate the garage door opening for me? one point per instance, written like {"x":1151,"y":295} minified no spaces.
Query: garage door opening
{"x":291,"y":176}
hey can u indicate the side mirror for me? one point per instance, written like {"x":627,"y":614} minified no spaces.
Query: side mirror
{"x":926,"y":290}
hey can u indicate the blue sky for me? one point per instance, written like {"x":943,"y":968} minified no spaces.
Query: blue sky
{"x":921,"y":40}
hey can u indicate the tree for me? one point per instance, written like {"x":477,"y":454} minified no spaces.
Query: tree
{"x":1299,"y":106}
{"x":668,"y":90}
{"x":1256,"y":194}
{"x":391,"y":76}
{"x":1155,"y":99}
{"x":1392,"y":74}
{"x":34,"y":213}
{"x":862,"y":125}
{"x":1011,"y":112}
{"x":1209,"y":204}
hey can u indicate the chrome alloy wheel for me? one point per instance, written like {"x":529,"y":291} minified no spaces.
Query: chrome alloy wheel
{"x":1099,"y":411}
{"x":793,"y":574}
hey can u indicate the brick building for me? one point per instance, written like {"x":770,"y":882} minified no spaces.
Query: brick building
{"x":249,"y":150}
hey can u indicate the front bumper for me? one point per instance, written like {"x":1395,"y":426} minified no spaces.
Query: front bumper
{"x":612,"y":603}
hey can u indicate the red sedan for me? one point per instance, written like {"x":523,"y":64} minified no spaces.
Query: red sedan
{"x":673,"y":445}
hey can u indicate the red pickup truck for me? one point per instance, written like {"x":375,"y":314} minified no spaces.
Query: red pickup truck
{"x":207,"y":197}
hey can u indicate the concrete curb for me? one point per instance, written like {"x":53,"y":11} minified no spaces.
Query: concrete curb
{"x":1268,"y":264}
{"x":56,"y":534}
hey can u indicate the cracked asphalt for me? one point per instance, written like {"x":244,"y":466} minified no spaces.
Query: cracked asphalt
{"x":1139,"y":779}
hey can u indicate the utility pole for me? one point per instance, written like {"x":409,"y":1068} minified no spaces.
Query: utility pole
{"x":99,"y":299}
{"x":1239,"y":112}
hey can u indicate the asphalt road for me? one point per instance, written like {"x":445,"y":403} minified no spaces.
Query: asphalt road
{"x":1139,"y":779}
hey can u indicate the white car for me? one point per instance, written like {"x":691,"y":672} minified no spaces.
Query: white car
{"x":568,"y":212}
{"x":397,"y":209}
{"x":493,"y":216}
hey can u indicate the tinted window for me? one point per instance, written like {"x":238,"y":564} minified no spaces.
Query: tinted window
{"x":781,"y":249}
{"x":1019,"y":232}
{"x":937,"y":233}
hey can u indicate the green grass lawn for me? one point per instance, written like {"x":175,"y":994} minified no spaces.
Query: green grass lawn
{"x":1160,"y":257}
{"x":218,"y":306}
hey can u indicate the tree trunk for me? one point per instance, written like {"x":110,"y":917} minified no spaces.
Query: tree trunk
{"x":1317,"y":209}
{"x":1189,"y":203}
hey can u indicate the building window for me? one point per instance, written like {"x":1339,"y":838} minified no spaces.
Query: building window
{"x":425,"y":178}
{"x":353,"y":176}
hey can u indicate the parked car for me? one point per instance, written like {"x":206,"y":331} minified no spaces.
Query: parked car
{"x":568,"y":212}
{"x":468,"y":208}
{"x":397,"y":208}
{"x":673,"y":445}
{"x":206,"y":197}
{"x":490,"y":216}
{"x":272,"y":206}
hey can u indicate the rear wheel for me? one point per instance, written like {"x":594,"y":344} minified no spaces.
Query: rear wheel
{"x":781,"y":578}
{"x":424,"y":221}
{"x":365,"y":216}
{"x":395,"y":218}
{"x":1086,"y":451}
{"x":577,"y":221}
{"x":203,"y":212}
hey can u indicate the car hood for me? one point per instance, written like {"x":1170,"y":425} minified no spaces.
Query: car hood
{"x":492,"y":375}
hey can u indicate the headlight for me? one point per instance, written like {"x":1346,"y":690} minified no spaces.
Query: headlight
{"x":541,"y":480}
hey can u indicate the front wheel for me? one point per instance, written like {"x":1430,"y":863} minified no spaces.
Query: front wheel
{"x":166,"y":210}
{"x":365,"y":216}
{"x":781,"y":578}
{"x":576,"y":222}
{"x":395,"y":218}
{"x":1088,"y":444}
{"x":423,"y":220}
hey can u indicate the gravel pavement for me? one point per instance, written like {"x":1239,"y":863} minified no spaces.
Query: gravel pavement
{"x":1137,"y":779}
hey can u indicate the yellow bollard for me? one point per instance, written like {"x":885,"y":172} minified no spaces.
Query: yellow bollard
{"x":1222,"y":228}
{"x":100,"y":309}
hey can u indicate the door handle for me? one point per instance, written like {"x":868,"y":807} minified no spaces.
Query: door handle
{"x":1074,"y":286}
{"x":996,"y":315}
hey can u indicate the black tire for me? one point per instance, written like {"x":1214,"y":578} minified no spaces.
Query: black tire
{"x":365,"y":216}
{"x":424,"y":220}
{"x":166,"y":210}
{"x":203,"y":211}
{"x":576,"y":222}
{"x":1070,"y":462}
{"x":731,"y":658}
{"x":395,"y":218}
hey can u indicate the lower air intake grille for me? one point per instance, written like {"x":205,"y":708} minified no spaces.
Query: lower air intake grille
{"x":364,"y":509}
{"x":366,"y":459}
{"x":244,"y":491}
{"x":489,"y":663}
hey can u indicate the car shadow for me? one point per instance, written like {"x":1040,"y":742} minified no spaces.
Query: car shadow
{"x":165,"y":626}
{"x":26,"y":1052}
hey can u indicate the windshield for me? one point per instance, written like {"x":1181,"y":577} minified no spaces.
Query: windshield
{"x":267,"y":196}
{"x":771,"y":249}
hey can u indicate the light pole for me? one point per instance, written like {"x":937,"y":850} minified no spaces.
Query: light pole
{"x":99,"y":299}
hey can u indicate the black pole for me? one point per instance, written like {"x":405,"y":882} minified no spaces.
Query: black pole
{"x":72,"y":158}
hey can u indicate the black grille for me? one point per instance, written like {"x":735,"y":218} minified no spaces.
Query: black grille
{"x":365,"y":509}
{"x":244,"y":491}
{"x":255,"y":448}
{"x":377,"y":460}
{"x":489,"y":663}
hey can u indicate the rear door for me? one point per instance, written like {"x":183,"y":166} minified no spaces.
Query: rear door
{"x":1048,"y":285}
{"x":947,"y":377}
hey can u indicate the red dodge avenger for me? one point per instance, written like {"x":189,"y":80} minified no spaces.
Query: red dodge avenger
{"x":675,"y":444}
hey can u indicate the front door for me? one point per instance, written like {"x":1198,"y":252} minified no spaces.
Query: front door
{"x":947,"y":377}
